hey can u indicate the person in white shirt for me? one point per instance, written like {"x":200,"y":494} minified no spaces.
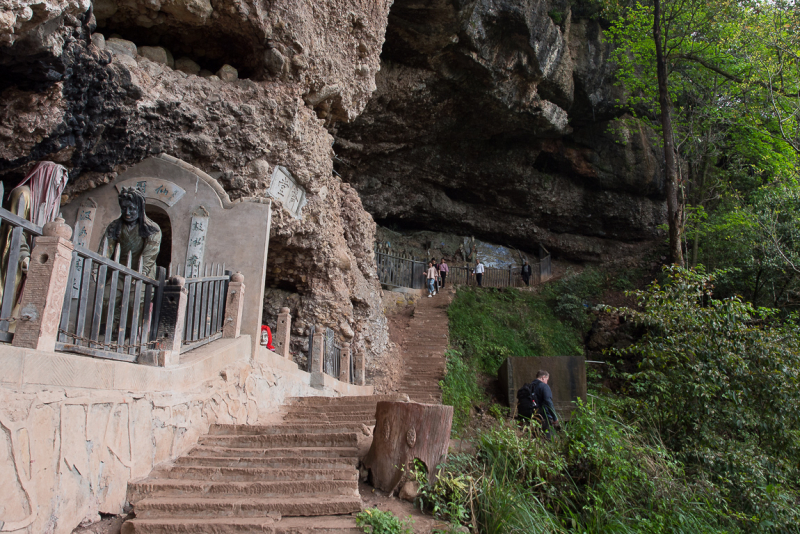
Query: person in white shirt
{"x":479,"y":270}
{"x":431,"y":276}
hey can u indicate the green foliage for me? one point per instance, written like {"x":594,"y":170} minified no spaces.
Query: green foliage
{"x":601,"y":476}
{"x":375,"y":521}
{"x":460,"y":389}
{"x":720,"y":381}
{"x":489,"y":325}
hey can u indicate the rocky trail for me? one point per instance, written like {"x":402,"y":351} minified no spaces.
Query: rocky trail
{"x":297,"y":476}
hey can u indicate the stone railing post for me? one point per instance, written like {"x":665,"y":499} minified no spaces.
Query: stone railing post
{"x":234,"y":305}
{"x":170,"y":323}
{"x":360,"y":378}
{"x":317,"y":351}
{"x":282,"y":333}
{"x":46,"y":283}
{"x":344,"y":363}
{"x":315,"y":365}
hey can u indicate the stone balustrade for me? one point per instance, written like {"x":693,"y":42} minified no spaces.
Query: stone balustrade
{"x":45,"y":296}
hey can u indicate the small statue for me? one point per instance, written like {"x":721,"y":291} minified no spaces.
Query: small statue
{"x":135,"y":233}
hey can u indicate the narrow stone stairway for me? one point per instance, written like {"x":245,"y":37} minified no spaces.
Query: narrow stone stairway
{"x":423,"y":348}
{"x":298,"y":476}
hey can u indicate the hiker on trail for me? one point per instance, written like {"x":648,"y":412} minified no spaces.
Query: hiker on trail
{"x":431,"y":278}
{"x":526,"y":273}
{"x":536,"y":398}
{"x":443,"y":270}
{"x":479,"y":270}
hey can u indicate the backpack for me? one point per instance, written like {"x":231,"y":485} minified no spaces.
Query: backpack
{"x":526,"y":392}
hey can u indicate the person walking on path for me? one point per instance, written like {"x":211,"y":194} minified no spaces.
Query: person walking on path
{"x":431,"y":278}
{"x":479,"y":270}
{"x":544,"y":402}
{"x":526,"y":273}
{"x":443,"y":270}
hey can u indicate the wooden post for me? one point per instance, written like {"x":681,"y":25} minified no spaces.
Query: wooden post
{"x":234,"y":304}
{"x":404,"y":431}
{"x":283,"y":332}
{"x":344,"y":363}
{"x":45,"y":286}
{"x":171,"y":322}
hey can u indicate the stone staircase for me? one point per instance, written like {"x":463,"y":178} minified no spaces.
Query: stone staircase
{"x":297,"y":476}
{"x":423,"y":346}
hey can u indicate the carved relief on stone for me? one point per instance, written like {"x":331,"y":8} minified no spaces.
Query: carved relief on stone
{"x":155,"y":189}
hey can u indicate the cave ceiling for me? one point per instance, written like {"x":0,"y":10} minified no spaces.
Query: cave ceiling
{"x":500,"y":119}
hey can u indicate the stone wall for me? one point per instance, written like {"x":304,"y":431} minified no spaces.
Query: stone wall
{"x":74,"y":430}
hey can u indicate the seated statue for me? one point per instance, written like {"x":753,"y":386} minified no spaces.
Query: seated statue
{"x":135,"y":233}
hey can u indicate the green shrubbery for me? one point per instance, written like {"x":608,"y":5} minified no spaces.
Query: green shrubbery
{"x":375,"y":521}
{"x":704,"y":437}
{"x":600,"y":476}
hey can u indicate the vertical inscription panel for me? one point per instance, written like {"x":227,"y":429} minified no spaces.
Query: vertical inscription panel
{"x":196,"y":248}
{"x":84,"y":223}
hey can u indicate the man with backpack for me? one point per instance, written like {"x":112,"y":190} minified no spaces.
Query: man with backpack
{"x":536,"y":398}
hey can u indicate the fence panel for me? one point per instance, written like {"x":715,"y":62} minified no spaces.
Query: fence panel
{"x":400,"y":272}
{"x":119,"y":319}
{"x":19,"y":233}
{"x":205,"y":306}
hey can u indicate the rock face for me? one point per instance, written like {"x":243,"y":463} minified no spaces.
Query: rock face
{"x":100,"y":105}
{"x":498,"y":119}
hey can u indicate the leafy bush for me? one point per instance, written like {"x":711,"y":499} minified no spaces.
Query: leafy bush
{"x":718,"y":379}
{"x":375,"y":521}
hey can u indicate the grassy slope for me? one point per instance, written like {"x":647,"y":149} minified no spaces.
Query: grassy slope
{"x":489,"y":325}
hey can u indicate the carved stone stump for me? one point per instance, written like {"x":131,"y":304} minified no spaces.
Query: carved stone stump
{"x":404,"y":431}
{"x":170,"y":322}
{"x":344,"y":363}
{"x":234,"y":305}
{"x":47,"y":281}
{"x":283,"y":331}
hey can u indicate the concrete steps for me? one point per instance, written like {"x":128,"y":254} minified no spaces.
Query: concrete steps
{"x":288,"y":525}
{"x":296,"y":477}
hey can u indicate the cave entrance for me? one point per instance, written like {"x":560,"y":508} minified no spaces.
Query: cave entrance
{"x":160,"y":217}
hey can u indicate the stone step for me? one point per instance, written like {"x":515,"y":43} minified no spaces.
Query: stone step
{"x":246,"y":506}
{"x":317,"y":428}
{"x":168,"y":488}
{"x":334,"y":409}
{"x":237,"y":525}
{"x":201,"y":451}
{"x":349,"y":439}
{"x":340,"y":401}
{"x":281,"y":462}
{"x":244,"y":474}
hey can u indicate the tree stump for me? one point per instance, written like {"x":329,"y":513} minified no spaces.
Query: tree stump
{"x":404,"y":431}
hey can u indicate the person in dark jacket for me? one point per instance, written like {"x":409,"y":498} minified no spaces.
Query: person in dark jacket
{"x":526,"y":273}
{"x":539,"y":392}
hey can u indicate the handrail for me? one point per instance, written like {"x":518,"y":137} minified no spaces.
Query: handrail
{"x":108,"y":262}
{"x":16,"y":220}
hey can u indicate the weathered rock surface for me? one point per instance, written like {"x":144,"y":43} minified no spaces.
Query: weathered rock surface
{"x":493,"y":119}
{"x":100,"y":105}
